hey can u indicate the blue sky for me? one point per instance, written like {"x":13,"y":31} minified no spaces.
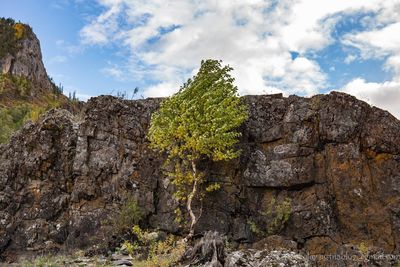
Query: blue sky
{"x":302,"y":47}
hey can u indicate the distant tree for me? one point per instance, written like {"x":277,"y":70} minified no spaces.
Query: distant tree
{"x":8,"y":42}
{"x":135,"y":92}
{"x":198,"y":122}
{"x":72,"y":97}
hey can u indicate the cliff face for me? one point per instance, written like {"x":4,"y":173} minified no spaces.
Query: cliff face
{"x":26,"y":60}
{"x":333,"y":158}
{"x":25,"y":89}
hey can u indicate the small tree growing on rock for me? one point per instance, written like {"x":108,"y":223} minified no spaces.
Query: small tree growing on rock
{"x":199,"y":122}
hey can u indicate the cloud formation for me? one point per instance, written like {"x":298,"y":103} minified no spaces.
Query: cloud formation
{"x":168,"y":39}
{"x":381,"y":40}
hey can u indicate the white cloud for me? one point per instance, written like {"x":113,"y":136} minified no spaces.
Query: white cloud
{"x":377,"y":42}
{"x":168,"y":39}
{"x":350,"y":58}
{"x":381,"y":41}
{"x":161,"y":89}
{"x":102,"y":29}
{"x":114,"y":72}
{"x":384,"y":95}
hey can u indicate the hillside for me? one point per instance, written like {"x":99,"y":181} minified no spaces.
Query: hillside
{"x":26,"y":91}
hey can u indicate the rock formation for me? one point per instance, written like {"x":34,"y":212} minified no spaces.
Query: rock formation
{"x":27,"y":61}
{"x":25,"y":88}
{"x":322,"y":174}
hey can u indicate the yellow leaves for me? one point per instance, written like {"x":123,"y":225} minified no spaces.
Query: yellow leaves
{"x":19,"y":29}
{"x":131,"y":248}
{"x":161,"y":253}
{"x":200,"y":121}
{"x":36,"y":112}
{"x":213,"y":187}
{"x":178,"y":215}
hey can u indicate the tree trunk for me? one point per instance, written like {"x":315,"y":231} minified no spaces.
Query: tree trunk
{"x":189,"y":201}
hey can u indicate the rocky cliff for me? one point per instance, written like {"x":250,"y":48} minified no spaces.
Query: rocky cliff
{"x":330,"y":163}
{"x":22,"y":55}
{"x":25,"y":88}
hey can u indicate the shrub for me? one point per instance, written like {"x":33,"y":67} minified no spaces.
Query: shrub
{"x":280,"y":213}
{"x":7,"y":126}
{"x":161,"y":253}
{"x":12,"y":119}
{"x":128,"y":216}
{"x":254,"y":228}
{"x":45,"y":261}
{"x":18,"y":105}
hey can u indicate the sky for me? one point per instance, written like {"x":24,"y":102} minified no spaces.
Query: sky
{"x":302,"y":47}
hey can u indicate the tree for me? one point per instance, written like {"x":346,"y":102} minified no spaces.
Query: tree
{"x":199,"y":122}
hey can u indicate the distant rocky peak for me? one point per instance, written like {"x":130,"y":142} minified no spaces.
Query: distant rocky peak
{"x":20,"y":54}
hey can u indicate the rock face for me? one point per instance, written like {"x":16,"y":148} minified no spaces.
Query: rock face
{"x":331,"y":163}
{"x":27,"y":62}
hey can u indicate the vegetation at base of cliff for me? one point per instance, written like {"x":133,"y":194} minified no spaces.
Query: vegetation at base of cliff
{"x":10,"y":35}
{"x":147,"y":248}
{"x":17,"y":105}
{"x":128,"y":216}
{"x":199,"y":122}
{"x":277,"y":215}
{"x":60,"y":260}
{"x":151,"y":249}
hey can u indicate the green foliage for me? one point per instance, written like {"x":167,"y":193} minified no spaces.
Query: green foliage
{"x":72,"y":97}
{"x":8,"y":42}
{"x":254,"y":228}
{"x":57,"y":89}
{"x":202,"y":118}
{"x":10,"y":34}
{"x":128,"y":216}
{"x":364,"y":249}
{"x":280,"y":212}
{"x":131,"y":248}
{"x":45,"y":261}
{"x":16,"y":106}
{"x":162,"y":253}
{"x":213,"y":187}
{"x":15,"y":84}
{"x":200,"y":121}
{"x":11,"y":120}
